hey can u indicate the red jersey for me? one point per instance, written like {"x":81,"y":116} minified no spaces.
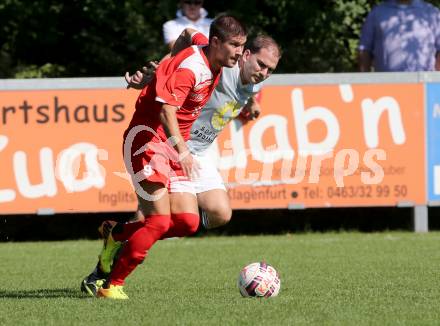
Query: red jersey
{"x":185,"y":81}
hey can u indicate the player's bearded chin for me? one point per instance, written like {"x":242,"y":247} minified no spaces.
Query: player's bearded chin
{"x":258,"y":78}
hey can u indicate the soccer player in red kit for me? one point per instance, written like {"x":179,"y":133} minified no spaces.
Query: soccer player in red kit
{"x":155,"y":152}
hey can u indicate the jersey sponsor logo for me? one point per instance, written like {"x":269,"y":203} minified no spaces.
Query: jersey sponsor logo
{"x":204,"y":134}
{"x":196,"y":96}
{"x":224,"y":114}
{"x":207,"y":136}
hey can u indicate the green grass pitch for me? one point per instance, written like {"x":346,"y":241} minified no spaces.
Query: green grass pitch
{"x":326,"y":279}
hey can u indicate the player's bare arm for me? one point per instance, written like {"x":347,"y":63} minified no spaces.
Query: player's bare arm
{"x":183,"y":41}
{"x":142,"y":77}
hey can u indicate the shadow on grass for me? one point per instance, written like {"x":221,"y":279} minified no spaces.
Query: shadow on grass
{"x":43,"y":294}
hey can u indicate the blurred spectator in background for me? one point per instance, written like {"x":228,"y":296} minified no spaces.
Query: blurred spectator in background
{"x":401,"y":35}
{"x":191,"y":14}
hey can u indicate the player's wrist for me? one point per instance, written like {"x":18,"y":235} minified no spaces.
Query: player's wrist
{"x":184,"y":154}
{"x":181,"y":148}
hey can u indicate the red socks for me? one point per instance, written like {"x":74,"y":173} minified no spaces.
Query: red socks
{"x":182,"y":224}
{"x":143,"y":236}
{"x":123,"y":231}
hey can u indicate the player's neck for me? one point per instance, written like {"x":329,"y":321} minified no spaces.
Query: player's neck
{"x":241,"y":68}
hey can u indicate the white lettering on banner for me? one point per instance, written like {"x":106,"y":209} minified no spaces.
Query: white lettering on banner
{"x":68,"y":167}
{"x":300,"y":170}
{"x":303,"y":117}
{"x":66,"y":170}
{"x":230,"y":158}
{"x":282,"y":149}
{"x":235,"y":155}
{"x":370,"y":178}
{"x":372,"y":111}
{"x":315,"y":166}
{"x":374,"y":176}
{"x":6,"y":195}
{"x":436,"y":179}
{"x":267,"y":172}
{"x":47,"y":187}
{"x":240,"y":172}
{"x":346,"y":93}
{"x":339,"y":172}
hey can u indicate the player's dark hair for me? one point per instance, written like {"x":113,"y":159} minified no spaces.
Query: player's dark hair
{"x":225,"y":27}
{"x":262,"y":41}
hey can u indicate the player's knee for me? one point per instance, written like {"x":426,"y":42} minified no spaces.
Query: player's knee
{"x":163,"y":226}
{"x":188,"y":223}
{"x":194,"y":225}
{"x":159,"y":223}
{"x":191,"y":223}
{"x":220,"y":216}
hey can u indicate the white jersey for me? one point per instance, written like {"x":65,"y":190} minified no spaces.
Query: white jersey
{"x":225,"y":104}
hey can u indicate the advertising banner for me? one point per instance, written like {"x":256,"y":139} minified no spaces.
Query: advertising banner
{"x":433,"y":141}
{"x":329,"y":145}
{"x":62,"y":150}
{"x":313,"y":146}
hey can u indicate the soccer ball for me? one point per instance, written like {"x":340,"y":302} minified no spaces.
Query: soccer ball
{"x":259,"y":280}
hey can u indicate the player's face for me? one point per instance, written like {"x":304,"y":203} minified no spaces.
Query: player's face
{"x":229,"y":51}
{"x":259,"y":66}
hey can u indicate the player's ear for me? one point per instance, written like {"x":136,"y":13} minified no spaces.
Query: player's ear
{"x":215,"y":41}
{"x":246,"y":54}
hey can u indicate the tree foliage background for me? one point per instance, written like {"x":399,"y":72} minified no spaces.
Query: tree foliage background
{"x":54,"y":38}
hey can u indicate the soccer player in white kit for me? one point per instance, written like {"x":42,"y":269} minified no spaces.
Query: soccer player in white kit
{"x":234,"y":95}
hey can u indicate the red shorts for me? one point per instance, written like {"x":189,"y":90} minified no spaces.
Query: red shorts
{"x":147,"y":157}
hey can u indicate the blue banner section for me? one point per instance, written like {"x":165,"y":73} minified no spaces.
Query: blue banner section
{"x":433,"y":140}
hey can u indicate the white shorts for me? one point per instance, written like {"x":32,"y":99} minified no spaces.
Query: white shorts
{"x":208,"y":177}
{"x":177,"y":185}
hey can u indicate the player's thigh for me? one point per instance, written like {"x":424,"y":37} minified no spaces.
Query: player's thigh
{"x":183,"y":202}
{"x":183,"y":197}
{"x":215,"y":202}
{"x":153,"y":199}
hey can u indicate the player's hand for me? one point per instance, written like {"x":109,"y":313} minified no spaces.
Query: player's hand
{"x":250,"y":111}
{"x":140,"y":79}
{"x":188,"y":164}
{"x":135,"y":81}
{"x":253,"y":109}
{"x":151,"y":67}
